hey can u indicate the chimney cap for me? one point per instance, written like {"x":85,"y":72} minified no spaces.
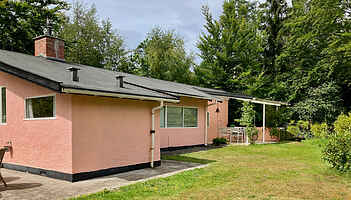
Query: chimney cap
{"x":71,"y":69}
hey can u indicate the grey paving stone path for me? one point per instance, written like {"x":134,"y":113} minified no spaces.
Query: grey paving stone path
{"x":25,"y":186}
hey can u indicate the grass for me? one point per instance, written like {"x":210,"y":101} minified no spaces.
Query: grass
{"x":275,"y":171}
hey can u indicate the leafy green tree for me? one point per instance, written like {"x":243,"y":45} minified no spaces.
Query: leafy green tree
{"x":21,"y":21}
{"x":91,"y":41}
{"x":162,"y":55}
{"x":317,"y":48}
{"x":231,"y":49}
{"x":321,"y":105}
{"x":248,"y":120}
{"x":274,"y":15}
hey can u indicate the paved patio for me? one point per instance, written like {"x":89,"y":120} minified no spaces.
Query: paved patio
{"x":25,"y":186}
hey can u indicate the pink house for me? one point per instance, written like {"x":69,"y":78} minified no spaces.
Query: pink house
{"x":75,"y":122}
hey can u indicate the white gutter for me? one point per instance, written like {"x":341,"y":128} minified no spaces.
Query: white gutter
{"x":153,"y":133}
{"x":272,"y":103}
{"x":106,"y":94}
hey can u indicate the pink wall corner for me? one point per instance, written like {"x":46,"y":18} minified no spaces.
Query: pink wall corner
{"x":111,"y":132}
{"x":175,"y":137}
{"x":217,"y":119}
{"x":45,"y":144}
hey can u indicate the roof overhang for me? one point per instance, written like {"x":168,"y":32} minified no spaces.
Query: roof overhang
{"x":118,"y":95}
{"x":261,"y":101}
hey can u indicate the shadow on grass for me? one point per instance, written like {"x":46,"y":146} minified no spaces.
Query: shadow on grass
{"x":286,"y":142}
{"x":186,"y":159}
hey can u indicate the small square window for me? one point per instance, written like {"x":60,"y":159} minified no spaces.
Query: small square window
{"x":40,"y":107}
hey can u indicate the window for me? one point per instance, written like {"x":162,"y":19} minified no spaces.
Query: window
{"x":208,"y":119}
{"x":178,"y":117}
{"x":190,"y":117}
{"x":40,"y":107}
{"x":2,"y":105}
{"x":162,"y":117}
{"x":174,"y":117}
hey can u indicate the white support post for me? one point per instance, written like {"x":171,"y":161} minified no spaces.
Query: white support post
{"x":206,"y":128}
{"x":264,"y":123}
{"x":1,"y":120}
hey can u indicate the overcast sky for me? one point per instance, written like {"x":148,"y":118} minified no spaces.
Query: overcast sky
{"x":133,"y":19}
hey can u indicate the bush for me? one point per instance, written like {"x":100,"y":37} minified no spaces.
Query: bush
{"x":219,"y":141}
{"x":301,"y":129}
{"x":337,"y":151}
{"x":281,"y":133}
{"x":285,"y":135}
{"x":320,"y":130}
{"x":252,"y":134}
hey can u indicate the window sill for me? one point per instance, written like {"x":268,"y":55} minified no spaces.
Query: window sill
{"x":3,"y":124}
{"x":35,"y":119}
{"x":179,"y":127}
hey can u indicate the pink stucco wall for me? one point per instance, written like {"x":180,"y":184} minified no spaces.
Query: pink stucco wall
{"x":42,"y":144}
{"x":93,"y":133}
{"x":175,"y":137}
{"x":111,"y":132}
{"x":217,"y":119}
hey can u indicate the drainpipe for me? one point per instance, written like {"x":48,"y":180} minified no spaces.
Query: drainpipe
{"x":153,"y":133}
{"x":264,"y":124}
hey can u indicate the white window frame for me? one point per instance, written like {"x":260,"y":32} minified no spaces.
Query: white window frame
{"x":166,"y":116}
{"x":1,"y":123}
{"x":41,"y":118}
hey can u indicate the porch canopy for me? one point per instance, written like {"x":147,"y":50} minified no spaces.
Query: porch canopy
{"x":264,"y":102}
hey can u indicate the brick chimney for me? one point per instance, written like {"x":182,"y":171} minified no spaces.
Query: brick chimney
{"x":50,"y":47}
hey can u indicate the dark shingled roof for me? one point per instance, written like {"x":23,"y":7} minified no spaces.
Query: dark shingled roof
{"x":53,"y":74}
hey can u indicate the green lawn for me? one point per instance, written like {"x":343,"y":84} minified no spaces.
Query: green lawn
{"x":276,"y":171}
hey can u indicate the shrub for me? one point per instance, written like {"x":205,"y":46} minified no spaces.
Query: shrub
{"x":300,"y":129}
{"x":252,"y":134}
{"x":218,"y":141}
{"x":337,"y":151}
{"x":285,"y":135}
{"x":320,"y":130}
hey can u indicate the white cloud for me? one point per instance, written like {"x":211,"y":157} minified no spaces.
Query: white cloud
{"x":134,"y":18}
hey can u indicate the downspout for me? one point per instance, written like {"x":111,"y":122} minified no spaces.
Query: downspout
{"x":206,"y":127}
{"x":153,"y":133}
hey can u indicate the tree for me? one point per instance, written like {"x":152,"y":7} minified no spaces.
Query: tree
{"x":274,"y":15}
{"x":316,"y":49}
{"x":248,"y":120}
{"x":91,"y":42}
{"x":321,"y":105}
{"x":231,"y":49}
{"x":21,"y":21}
{"x":162,"y":55}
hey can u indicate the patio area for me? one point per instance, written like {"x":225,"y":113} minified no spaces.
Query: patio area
{"x":25,"y":186}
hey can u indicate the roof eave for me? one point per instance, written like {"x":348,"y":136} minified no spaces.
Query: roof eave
{"x":40,"y":80}
{"x":118,"y":95}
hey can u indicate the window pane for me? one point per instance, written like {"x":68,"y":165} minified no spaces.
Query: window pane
{"x":162,"y":117}
{"x":190,"y":117}
{"x":208,"y":119}
{"x":3,"y":105}
{"x":40,"y":107}
{"x":174,"y":117}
